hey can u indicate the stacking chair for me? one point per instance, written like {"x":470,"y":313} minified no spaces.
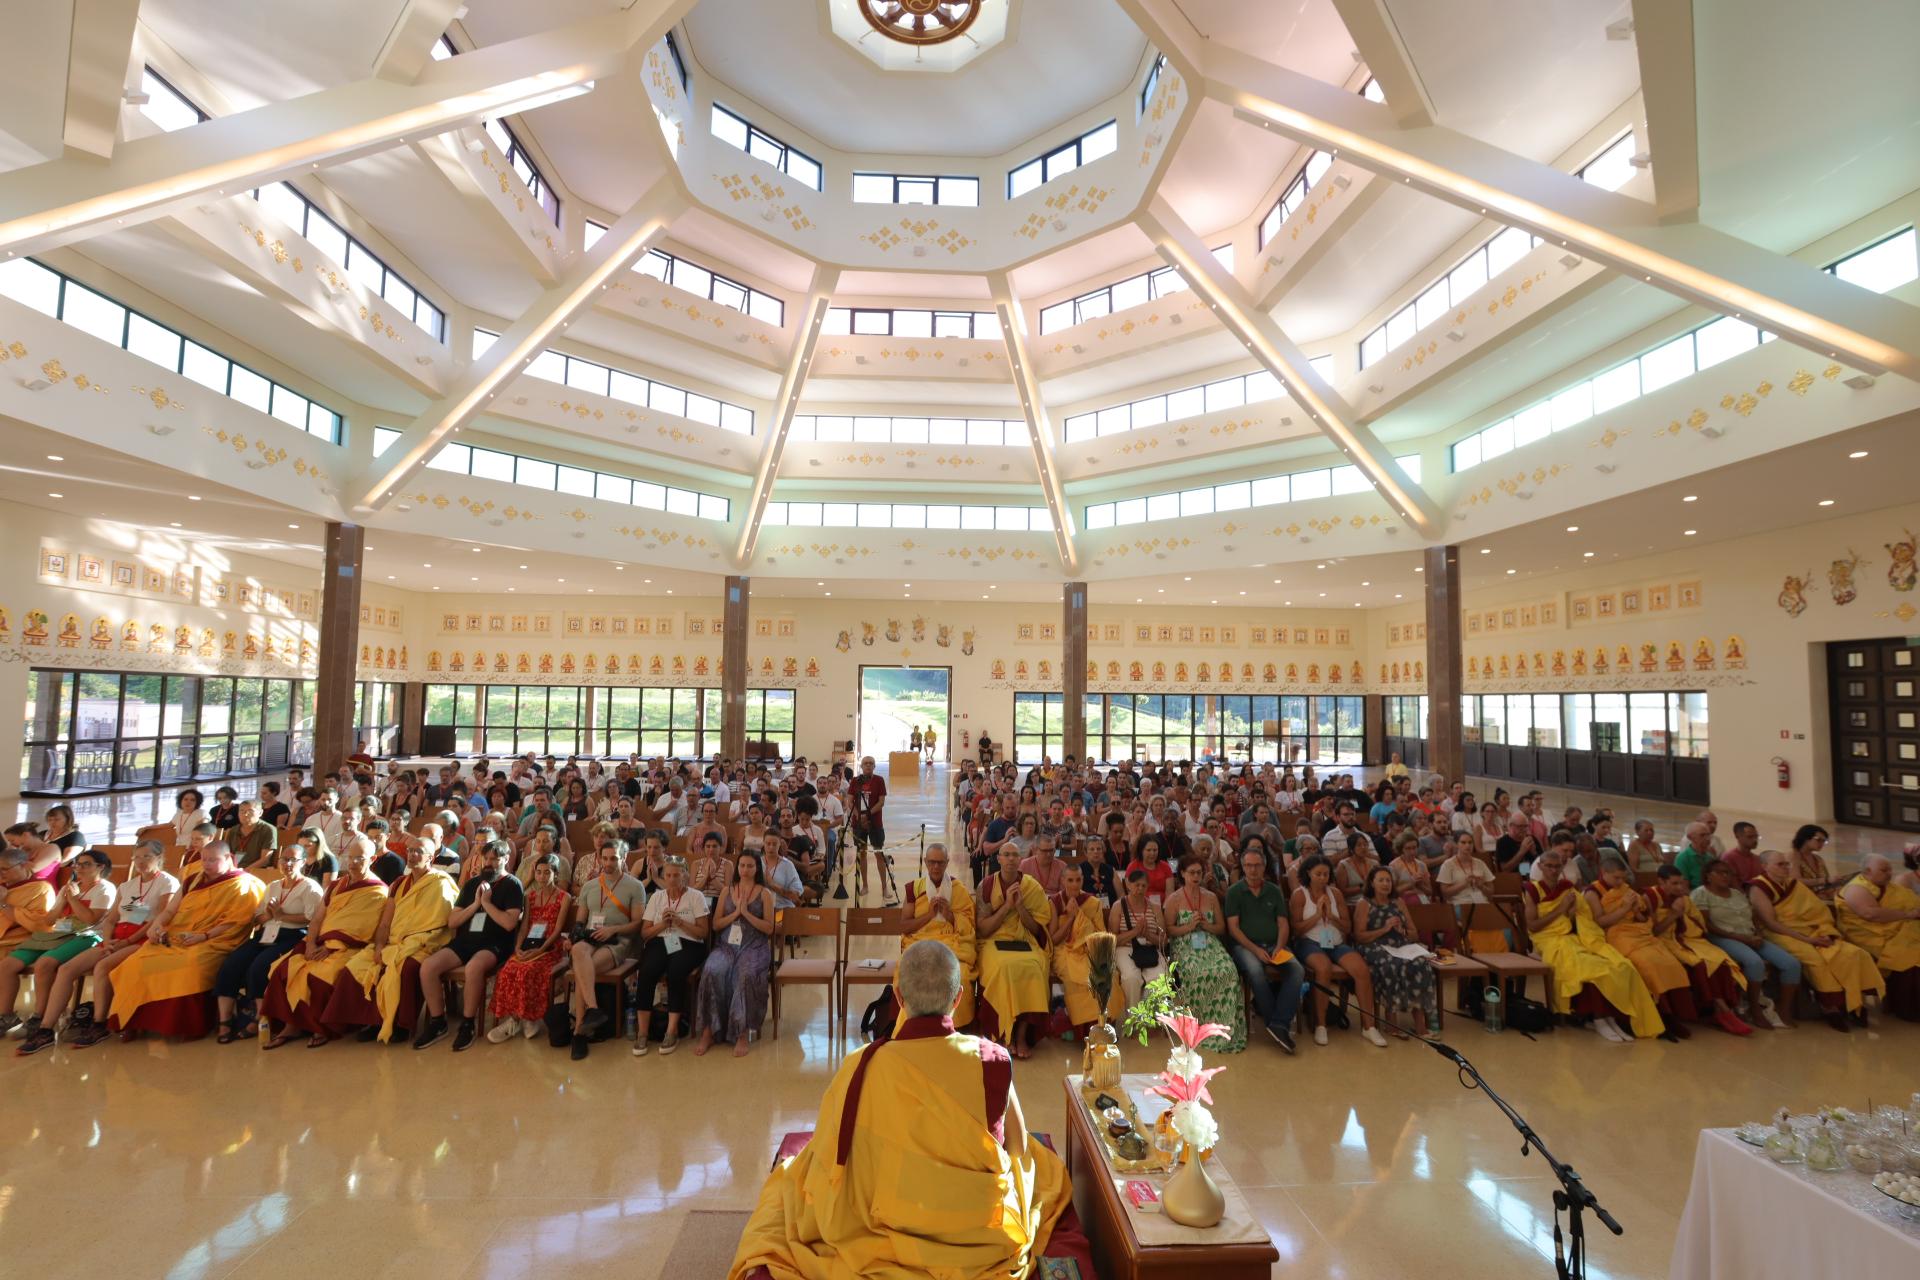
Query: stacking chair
{"x":806,"y":922}
{"x":1509,"y":964}
{"x":867,"y":923}
{"x":1437,"y":925}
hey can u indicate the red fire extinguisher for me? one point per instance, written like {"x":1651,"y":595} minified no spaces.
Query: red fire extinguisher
{"x":1782,"y":773}
{"x":966,"y":739}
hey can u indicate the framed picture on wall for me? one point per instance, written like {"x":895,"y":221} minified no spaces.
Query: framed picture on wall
{"x":303,"y":604}
{"x":1630,"y":600}
{"x":1049,"y":631}
{"x":1529,"y":615}
{"x":55,"y":564}
{"x":1509,"y":619}
{"x":1186,"y":635}
{"x":1321,"y":637}
{"x":1342,"y":636}
{"x":449,"y":622}
{"x":1209,"y":635}
{"x":366,"y":615}
{"x":183,"y":584}
{"x":1659,"y":599}
{"x":696,"y":626}
{"x":1142,"y":634}
{"x":1163,"y":634}
{"x":663,"y":626}
{"x":154,"y":582}
{"x":543,"y":624}
{"x":643,"y":626}
{"x":618,"y":624}
{"x":1604,"y":606}
{"x":126,"y":577}
{"x":1686,"y":595}
{"x":1300,"y":635}
{"x":1473,"y":624}
{"x":517,"y":624}
{"x":1549,"y":613}
{"x":1023,"y":631}
{"x":1229,"y":635}
{"x":1258,"y":634}
{"x":1109,"y":632}
{"x":575,"y":625}
{"x":783,"y":627}
{"x":1580,"y":608}
{"x":89,"y":571}
{"x":474,"y":622}
{"x":496,"y":624}
{"x":763,"y":626}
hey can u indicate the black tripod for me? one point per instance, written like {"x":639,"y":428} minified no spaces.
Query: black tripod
{"x":1572,"y":1199}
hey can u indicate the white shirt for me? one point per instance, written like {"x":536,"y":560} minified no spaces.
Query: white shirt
{"x":99,"y":898}
{"x":328,"y":825}
{"x":722,"y":793}
{"x":831,"y":809}
{"x":184,"y":823}
{"x":300,"y":898}
{"x":140,"y":900}
{"x":690,"y":910}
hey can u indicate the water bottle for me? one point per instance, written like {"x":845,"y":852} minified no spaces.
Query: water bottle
{"x":633,"y":1023}
{"x":1491,"y":1019}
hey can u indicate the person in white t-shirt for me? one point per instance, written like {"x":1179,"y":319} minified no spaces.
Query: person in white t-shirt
{"x":281,"y":921}
{"x":78,"y":910}
{"x":144,"y":894}
{"x":190,"y":812}
{"x":673,"y":933}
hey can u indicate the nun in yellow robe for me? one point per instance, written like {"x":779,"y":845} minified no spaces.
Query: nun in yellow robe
{"x":1589,"y":975}
{"x":1078,"y":916}
{"x":1791,"y":915}
{"x":951,"y":925}
{"x":301,"y":982}
{"x":385,"y":990}
{"x":1628,"y":921}
{"x":1015,"y":981}
{"x":1893,"y":942}
{"x":919,"y":1165}
{"x":167,"y":986}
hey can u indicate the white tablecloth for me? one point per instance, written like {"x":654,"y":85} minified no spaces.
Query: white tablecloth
{"x":1748,"y":1218}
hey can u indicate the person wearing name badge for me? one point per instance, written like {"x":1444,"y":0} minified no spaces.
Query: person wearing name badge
{"x":383,"y":996}
{"x":606,"y":925}
{"x":147,"y":889}
{"x":78,"y":910}
{"x":1259,"y":925}
{"x":673,"y":932}
{"x":1380,"y":922}
{"x":732,"y":1002}
{"x":1139,"y":931}
{"x":293,"y":900}
{"x":300,"y":984}
{"x":521,"y":991}
{"x":484,"y":919}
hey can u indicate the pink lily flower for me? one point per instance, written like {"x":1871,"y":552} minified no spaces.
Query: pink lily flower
{"x":1175,"y":1089}
{"x":1189,"y":1030}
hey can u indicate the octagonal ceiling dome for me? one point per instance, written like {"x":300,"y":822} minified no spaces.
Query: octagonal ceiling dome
{"x":921,"y":35}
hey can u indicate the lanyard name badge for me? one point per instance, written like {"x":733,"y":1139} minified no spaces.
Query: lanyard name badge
{"x":537,"y":931}
{"x":269,"y":931}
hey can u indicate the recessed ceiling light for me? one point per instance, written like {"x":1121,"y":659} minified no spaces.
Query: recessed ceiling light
{"x":1396,"y":595}
{"x":436,"y":588}
{"x":510,"y":588}
{"x":475,"y":550}
{"x":1323,"y":595}
{"x":1573,"y":528}
{"x":293,"y":526}
{"x":54,"y":457}
{"x":174,"y":523}
{"x":1161,"y":590}
{"x":1510,"y":572}
{"x":1186,"y":579}
{"x":426,"y":566}
{"x":1356,"y":604}
{"x":523,"y":566}
{"x":1691,"y":532}
{"x":1289,"y":602}
{"x":1826,"y":502}
{"x":389,"y":577}
{"x":646,"y":582}
{"x":670,"y":591}
{"x":1692,"y":497}
{"x":1857,"y":453}
{"x":1420,"y":569}
{"x":476,"y":580}
{"x":193,"y":497}
{"x":1213,"y":602}
{"x":1366,"y":584}
{"x":1276,"y":582}
{"x":1587,"y":554}
{"x":56,"y":495}
{"x":1243,"y":593}
{"x":1486,"y":551}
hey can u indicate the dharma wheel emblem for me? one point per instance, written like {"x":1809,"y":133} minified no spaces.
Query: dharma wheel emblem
{"x":920,"y":21}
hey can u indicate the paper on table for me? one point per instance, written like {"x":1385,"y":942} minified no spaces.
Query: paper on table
{"x":1411,"y":951}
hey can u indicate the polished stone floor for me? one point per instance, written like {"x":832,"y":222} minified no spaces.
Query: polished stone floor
{"x":196,"y":1161}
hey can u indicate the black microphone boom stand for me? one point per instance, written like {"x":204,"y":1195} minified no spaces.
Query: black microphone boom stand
{"x":1573,"y":1198}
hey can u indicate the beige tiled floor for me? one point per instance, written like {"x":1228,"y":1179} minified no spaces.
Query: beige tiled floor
{"x":200,"y":1161}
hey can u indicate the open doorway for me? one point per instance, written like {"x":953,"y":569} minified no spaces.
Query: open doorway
{"x":895,"y":701}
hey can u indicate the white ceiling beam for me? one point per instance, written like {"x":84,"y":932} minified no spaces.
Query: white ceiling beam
{"x":1184,"y":250}
{"x":1793,"y":299}
{"x":1013,"y":328}
{"x":773,"y":448}
{"x":1663,"y":41}
{"x":68,"y":199}
{"x":1376,"y":38}
{"x":409,"y":45}
{"x":638,"y":230}
{"x":97,"y":62}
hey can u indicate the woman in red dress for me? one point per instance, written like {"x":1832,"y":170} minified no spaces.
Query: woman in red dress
{"x":524,"y":987}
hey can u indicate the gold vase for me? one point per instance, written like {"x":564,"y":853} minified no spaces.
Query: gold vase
{"x":1101,"y":1062}
{"x":1191,"y":1197}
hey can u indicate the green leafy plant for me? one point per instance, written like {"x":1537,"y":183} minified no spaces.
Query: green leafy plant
{"x":1157,"y":998}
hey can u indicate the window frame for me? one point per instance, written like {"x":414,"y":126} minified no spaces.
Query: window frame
{"x":538,"y":186}
{"x":1076,"y":145}
{"x":437,"y":330}
{"x":787,"y":150}
{"x":939,"y":189}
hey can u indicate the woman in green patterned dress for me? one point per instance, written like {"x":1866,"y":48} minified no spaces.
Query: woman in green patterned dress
{"x":1208,"y":979}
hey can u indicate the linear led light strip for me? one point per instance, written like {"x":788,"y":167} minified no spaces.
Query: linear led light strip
{"x":796,"y":378}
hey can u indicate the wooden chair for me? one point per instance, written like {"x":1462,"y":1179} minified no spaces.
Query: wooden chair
{"x":867,"y":923}
{"x":1507,"y":886}
{"x":580,"y":834}
{"x":806,"y":922}
{"x":1645,"y":880}
{"x":1515,"y":964}
{"x":1437,"y":923}
{"x":1288,"y":822}
{"x":161,"y":831}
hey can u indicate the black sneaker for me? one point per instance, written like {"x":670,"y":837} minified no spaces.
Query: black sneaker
{"x":1282,"y":1037}
{"x":595,"y":1019}
{"x":463,"y":1038}
{"x":579,"y":1047}
{"x":436,"y":1032}
{"x":39,"y":1038}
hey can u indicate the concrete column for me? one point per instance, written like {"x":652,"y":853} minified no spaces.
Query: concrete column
{"x":1446,"y":752}
{"x":733,"y":678}
{"x":339,"y":647}
{"x":1073,"y":670}
{"x":413,"y":711}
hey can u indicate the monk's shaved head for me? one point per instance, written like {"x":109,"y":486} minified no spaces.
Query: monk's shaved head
{"x":928,"y":980}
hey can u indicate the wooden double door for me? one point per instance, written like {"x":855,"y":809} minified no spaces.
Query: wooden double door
{"x":1874,"y":692}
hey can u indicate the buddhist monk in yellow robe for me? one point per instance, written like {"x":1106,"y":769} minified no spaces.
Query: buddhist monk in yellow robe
{"x":938,"y":907}
{"x":384,"y":991}
{"x":1628,"y":921}
{"x":27,"y":905}
{"x":1011,"y":921}
{"x":1715,"y":980}
{"x":1881,"y":916}
{"x":167,"y":985}
{"x":1077,"y":916}
{"x":920,"y":1164}
{"x":300,"y":984}
{"x":1589,"y":976}
{"x":1792,"y":916}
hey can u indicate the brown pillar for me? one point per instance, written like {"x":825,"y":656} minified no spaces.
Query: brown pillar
{"x":413,"y":713}
{"x":339,"y":647}
{"x":733,"y":674}
{"x":1446,"y":753}
{"x":1374,"y":747}
{"x":1073,"y":670}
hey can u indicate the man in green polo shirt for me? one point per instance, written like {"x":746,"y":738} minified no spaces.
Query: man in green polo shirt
{"x":1257,"y":925}
{"x":1692,"y":860}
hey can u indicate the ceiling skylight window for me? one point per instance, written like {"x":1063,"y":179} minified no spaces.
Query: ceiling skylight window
{"x":1152,"y":82}
{"x":362,"y":264}
{"x":53,"y":294}
{"x":900,"y":188}
{"x":671,"y":269}
{"x":523,"y":166}
{"x":1148,"y":286}
{"x":1372,"y":91}
{"x":1064,"y":159}
{"x":841,"y":428}
{"x":1884,"y":265}
{"x":1449,"y":291}
{"x":1174,"y":406}
{"x":443,"y":48}
{"x":511,"y":468}
{"x":1613,"y":168}
{"x":1294,"y":195}
{"x":908,"y":323}
{"x":629,"y":388}
{"x":1297,"y":486}
{"x":166,"y":106}
{"x":759,"y":144}
{"x":897,"y":515}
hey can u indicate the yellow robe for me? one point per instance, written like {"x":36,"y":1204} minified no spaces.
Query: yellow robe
{"x":1015,"y":982}
{"x":345,"y":929}
{"x":1659,"y":968}
{"x":926,"y":1191}
{"x":1070,"y":966}
{"x":419,"y":929}
{"x":957,"y":937}
{"x":167,"y":971}
{"x":1841,"y":966}
{"x":31,"y":904}
{"x":1893,"y":944}
{"x":1580,"y":954}
{"x":1688,"y":940}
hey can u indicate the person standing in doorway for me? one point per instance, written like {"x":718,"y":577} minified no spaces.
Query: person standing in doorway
{"x":867,"y":796}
